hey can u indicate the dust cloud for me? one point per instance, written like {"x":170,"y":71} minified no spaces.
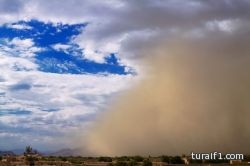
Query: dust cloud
{"x":195,"y":97}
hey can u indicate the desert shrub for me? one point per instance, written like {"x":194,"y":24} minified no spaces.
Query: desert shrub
{"x":132,"y":163}
{"x":196,"y":161}
{"x":63,"y":158}
{"x":105,"y":159}
{"x":246,"y":157}
{"x":147,"y":162}
{"x":165,"y":159}
{"x":138,"y":158}
{"x":176,"y":160}
{"x":172,"y":160}
{"x":123,"y":158}
{"x":110,"y":164}
{"x":120,"y":163}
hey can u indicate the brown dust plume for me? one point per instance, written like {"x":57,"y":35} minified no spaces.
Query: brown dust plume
{"x":195,"y":97}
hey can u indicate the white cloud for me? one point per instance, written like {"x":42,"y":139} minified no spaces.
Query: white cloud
{"x":75,"y":96}
{"x":61,"y":47}
{"x":54,"y":100}
{"x":25,"y":43}
{"x":19,"y":47}
{"x":223,"y":25}
{"x":11,"y":63}
{"x":111,"y":21}
{"x":19,"y":26}
{"x":97,"y":50}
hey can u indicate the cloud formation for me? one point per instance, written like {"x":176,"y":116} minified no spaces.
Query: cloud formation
{"x":195,"y":94}
{"x":195,"y":98}
{"x":45,"y":87}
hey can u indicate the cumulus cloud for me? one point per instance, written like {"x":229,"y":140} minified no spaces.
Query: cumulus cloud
{"x":17,"y":47}
{"x":19,"y":26}
{"x":35,"y":105}
{"x":52,"y":103}
{"x":61,"y":47}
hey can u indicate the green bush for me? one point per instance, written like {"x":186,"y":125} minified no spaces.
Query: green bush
{"x":172,"y":160}
{"x":63,"y":158}
{"x":247,"y":158}
{"x":123,"y":158}
{"x":110,"y":164}
{"x":165,"y":159}
{"x":176,"y":160}
{"x":105,"y":159}
{"x":196,"y":161}
{"x":120,"y":163}
{"x":138,"y":158}
{"x":132,"y":163}
{"x":147,"y":162}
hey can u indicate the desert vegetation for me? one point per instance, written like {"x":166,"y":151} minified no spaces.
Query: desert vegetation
{"x":31,"y":157}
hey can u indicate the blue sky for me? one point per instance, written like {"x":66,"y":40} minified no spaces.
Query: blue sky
{"x":47,"y":84}
{"x":59,"y":54}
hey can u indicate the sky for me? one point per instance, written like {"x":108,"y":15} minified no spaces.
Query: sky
{"x":101,"y":74}
{"x":48,"y":87}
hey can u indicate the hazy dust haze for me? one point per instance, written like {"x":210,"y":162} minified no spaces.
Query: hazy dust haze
{"x":195,"y":98}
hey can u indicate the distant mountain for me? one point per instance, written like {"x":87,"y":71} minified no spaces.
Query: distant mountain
{"x":62,"y":152}
{"x":3,"y":153}
{"x":18,"y":151}
{"x":66,"y":152}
